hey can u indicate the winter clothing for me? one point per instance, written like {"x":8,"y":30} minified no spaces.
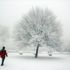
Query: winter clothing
{"x":3,"y":53}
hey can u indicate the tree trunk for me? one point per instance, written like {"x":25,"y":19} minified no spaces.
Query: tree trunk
{"x":36,"y":55}
{"x":50,"y":53}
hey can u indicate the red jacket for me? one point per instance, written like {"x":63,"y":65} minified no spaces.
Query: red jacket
{"x":3,"y":54}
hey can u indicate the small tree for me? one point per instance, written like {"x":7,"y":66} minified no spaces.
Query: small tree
{"x":39,"y":27}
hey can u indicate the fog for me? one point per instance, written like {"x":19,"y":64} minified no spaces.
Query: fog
{"x":11,"y":12}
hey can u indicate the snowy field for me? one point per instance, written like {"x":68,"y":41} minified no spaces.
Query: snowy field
{"x":27,"y":61}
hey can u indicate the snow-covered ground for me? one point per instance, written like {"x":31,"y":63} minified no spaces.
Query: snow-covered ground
{"x":27,"y":61}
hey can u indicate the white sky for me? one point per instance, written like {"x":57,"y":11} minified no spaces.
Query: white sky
{"x":11,"y":11}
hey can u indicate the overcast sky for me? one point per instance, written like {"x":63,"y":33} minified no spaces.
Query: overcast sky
{"x":11,"y":11}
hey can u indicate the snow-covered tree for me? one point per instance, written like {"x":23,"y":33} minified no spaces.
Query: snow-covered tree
{"x":4,"y":35}
{"x":66,"y":47}
{"x":39,"y":27}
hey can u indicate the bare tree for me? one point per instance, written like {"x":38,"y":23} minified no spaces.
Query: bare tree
{"x":39,"y":27}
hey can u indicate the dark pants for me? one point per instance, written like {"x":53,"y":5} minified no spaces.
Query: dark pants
{"x":2,"y":63}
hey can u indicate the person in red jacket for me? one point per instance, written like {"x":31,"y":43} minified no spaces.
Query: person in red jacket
{"x":3,"y":54}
